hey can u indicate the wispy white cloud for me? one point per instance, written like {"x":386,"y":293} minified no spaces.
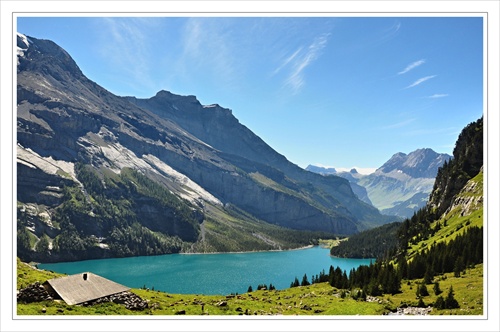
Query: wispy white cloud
{"x":126,"y":44}
{"x":210,"y":48}
{"x":287,"y":60}
{"x":395,"y":28}
{"x":300,"y":60}
{"x":193,"y":37}
{"x":420,"y":81}
{"x":412,"y":66}
{"x":438,"y":95}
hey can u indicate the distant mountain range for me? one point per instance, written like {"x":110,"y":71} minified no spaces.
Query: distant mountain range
{"x":100,"y":175}
{"x":400,"y":186}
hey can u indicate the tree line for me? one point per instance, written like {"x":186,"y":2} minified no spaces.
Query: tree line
{"x":374,"y":243}
{"x":109,"y":208}
{"x":375,"y":279}
{"x":466,"y":250}
{"x":466,"y":163}
{"x":385,"y":276}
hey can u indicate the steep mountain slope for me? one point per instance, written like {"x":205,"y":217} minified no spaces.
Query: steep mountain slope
{"x":217,"y":127}
{"x":443,"y":237}
{"x":101,"y":175}
{"x":401,"y":185}
{"x":467,"y":162}
{"x":456,"y":202}
{"x":352,"y":176}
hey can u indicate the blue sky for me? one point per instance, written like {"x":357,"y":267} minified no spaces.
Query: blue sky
{"x":332,"y":91}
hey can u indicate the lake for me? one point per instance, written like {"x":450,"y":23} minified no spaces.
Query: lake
{"x":210,"y":274}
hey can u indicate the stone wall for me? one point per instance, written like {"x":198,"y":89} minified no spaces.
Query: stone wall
{"x":130,"y":300}
{"x":33,"y":293}
{"x":37,"y":293}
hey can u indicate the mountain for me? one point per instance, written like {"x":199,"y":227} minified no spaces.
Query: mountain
{"x":400,"y":186}
{"x":100,"y":175}
{"x":321,"y":170}
{"x":444,"y":236}
{"x":447,"y":234}
{"x":467,"y":162}
{"x":421,"y":163}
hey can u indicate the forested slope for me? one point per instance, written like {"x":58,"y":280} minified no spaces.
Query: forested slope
{"x":446,"y":236}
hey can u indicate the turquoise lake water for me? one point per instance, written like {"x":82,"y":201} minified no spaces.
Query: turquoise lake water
{"x":211,"y":273}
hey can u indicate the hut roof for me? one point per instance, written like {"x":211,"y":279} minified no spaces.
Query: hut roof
{"x":83,"y":287}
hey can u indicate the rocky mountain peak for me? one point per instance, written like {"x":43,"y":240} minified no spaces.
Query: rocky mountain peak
{"x":400,"y":186}
{"x":45,"y":55}
{"x":421,"y":163}
{"x":109,"y":165}
{"x":165,"y":96}
{"x":22,"y":41}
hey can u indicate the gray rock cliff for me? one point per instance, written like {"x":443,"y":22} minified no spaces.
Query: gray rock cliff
{"x":106,"y":166}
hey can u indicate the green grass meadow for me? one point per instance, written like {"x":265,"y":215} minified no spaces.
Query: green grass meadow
{"x":318,"y":299}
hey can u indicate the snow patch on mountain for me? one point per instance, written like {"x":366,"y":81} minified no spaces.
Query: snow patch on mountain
{"x":117,"y":157}
{"x":26,"y":41}
{"x":48,"y":165}
{"x":23,"y":44}
{"x":195,"y":191}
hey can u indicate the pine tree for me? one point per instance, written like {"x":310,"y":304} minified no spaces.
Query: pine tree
{"x":437,"y":289}
{"x":439,"y":304}
{"x":403,"y":268}
{"x":345,"y":280}
{"x":305,"y":282}
{"x":450,"y":301}
{"x":250,"y":289}
{"x":429,"y":275}
{"x":459,"y":266}
{"x":374,"y":289}
{"x":422,"y":290}
{"x":421,"y":303}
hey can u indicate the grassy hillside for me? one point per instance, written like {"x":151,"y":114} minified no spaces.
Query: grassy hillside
{"x":468,"y":290}
{"x":466,"y":213}
{"x":28,"y":274}
{"x":315,"y":299}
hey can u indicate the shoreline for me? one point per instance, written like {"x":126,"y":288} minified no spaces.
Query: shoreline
{"x":247,"y":252}
{"x":36,"y":264}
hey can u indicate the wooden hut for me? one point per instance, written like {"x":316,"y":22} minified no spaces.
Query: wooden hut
{"x":82,"y":287}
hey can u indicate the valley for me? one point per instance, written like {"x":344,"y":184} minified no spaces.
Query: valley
{"x":318,"y":299}
{"x":401,"y":186}
{"x":104,"y":176}
{"x":107,"y":176}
